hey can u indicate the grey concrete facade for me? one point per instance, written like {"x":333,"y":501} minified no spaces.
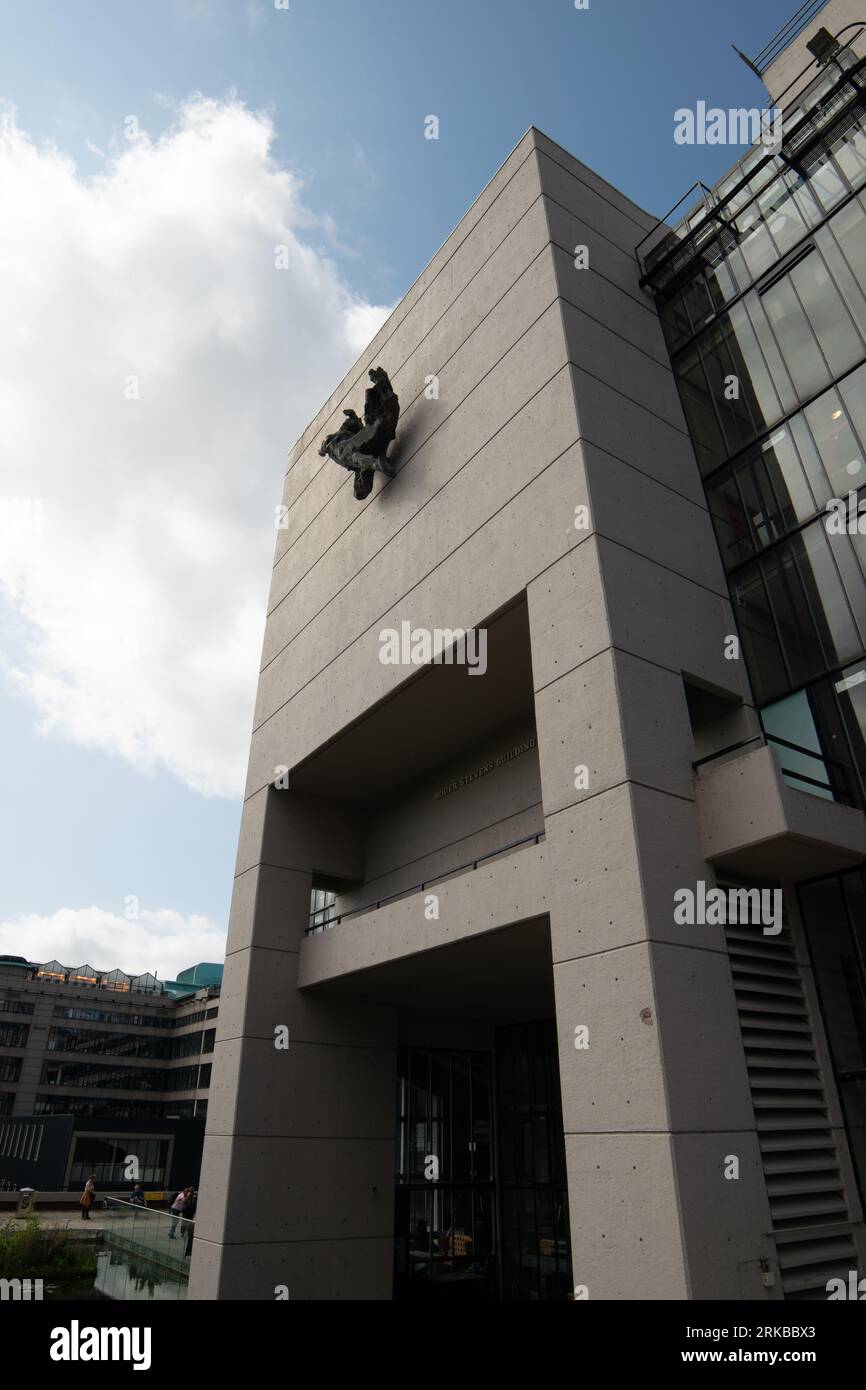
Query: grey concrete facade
{"x":607,"y":628}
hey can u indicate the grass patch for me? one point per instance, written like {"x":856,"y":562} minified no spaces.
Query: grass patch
{"x":29,"y":1251}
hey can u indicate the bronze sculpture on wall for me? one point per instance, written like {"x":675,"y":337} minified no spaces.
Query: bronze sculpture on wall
{"x":362,"y":445}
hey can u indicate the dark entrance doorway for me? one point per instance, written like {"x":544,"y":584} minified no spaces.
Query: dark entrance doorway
{"x":481,"y":1207}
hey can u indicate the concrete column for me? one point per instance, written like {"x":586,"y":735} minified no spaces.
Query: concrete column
{"x":658,"y":1101}
{"x":657,"y":1104}
{"x":297,"y":1186}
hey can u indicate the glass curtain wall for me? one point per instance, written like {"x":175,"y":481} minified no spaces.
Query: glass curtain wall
{"x":834,"y":915}
{"x":767,"y":333}
{"x":481,"y":1205}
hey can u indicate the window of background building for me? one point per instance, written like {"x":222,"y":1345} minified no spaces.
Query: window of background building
{"x":107,"y":1157}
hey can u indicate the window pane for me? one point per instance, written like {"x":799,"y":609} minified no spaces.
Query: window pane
{"x":800,"y":644}
{"x":788,"y":477}
{"x":730,"y":520}
{"x":697,"y":404}
{"x":839,"y":339}
{"x":838,"y":448}
{"x":791,"y":719}
{"x":758,"y":378}
{"x":826,"y":595}
{"x":760,"y":642}
{"x":759,"y":501}
{"x":794,"y":336}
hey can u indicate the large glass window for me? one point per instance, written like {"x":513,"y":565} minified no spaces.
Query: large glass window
{"x":803,"y":614}
{"x":536,"y":1258}
{"x":444,"y":1224}
{"x":448,"y":1194}
{"x":14,"y":1034}
{"x":108,"y":1158}
{"x":791,"y":729}
{"x":834,"y":915}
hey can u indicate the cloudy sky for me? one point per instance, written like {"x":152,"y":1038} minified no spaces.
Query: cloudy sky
{"x":207,"y":209}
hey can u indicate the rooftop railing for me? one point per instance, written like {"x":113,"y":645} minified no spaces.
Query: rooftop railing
{"x":837,"y":96}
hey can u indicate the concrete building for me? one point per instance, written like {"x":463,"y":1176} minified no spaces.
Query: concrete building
{"x":96,"y":1065}
{"x":512,"y":1052}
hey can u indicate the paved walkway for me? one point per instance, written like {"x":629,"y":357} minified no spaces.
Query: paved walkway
{"x":53,"y":1217}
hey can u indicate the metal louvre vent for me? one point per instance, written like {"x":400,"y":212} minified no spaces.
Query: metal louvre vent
{"x":808,"y":1208}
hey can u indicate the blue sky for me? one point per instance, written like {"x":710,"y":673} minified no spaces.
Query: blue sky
{"x":310,"y":120}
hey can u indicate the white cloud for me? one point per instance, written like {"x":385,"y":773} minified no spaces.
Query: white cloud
{"x":155,"y":366}
{"x":163,"y":942}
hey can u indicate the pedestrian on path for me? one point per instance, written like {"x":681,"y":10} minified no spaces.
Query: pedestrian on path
{"x":177,"y":1209}
{"x":85,"y":1201}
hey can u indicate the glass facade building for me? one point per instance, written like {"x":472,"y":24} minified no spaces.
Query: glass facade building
{"x":761,"y":296}
{"x":108,"y":1049}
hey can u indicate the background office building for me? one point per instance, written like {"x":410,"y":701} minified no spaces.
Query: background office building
{"x":97,"y":1065}
{"x":467,"y":1045}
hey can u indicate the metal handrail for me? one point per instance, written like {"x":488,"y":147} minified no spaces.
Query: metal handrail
{"x":680,"y":242}
{"x":764,"y":738}
{"x":419,"y":887}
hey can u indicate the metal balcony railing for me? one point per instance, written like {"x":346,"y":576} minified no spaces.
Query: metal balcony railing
{"x":333,"y":920}
{"x":842,"y":790}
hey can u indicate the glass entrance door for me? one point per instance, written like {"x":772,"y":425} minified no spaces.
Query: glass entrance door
{"x":444,"y":1223}
{"x":467,"y":1226}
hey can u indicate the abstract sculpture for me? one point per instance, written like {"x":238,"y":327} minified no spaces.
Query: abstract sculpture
{"x":362,"y":445}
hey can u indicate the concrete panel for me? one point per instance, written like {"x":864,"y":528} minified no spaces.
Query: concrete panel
{"x":339,"y":1189}
{"x":308,"y":1091}
{"x":669,"y":855}
{"x":680,"y":534}
{"x":579,"y":726}
{"x":426,"y":834}
{"x":596,"y":895}
{"x":607,"y":260}
{"x":269,"y":904}
{"x":522,"y":372}
{"x":656,"y":614}
{"x":340,"y":1269}
{"x":262,"y":989}
{"x":725,"y":1220}
{"x":567,"y":614}
{"x":600,"y":352}
{"x":424,"y":343}
{"x":623,"y":1210}
{"x":743,"y":803}
{"x":705,"y":1069}
{"x":601,"y":300}
{"x":656,"y":731}
{"x":497,"y":893}
{"x":636,"y":434}
{"x":616,"y":1083}
{"x":494,"y":213}
{"x":524,"y":543}
{"x":444,"y":496}
{"x":585,"y":194}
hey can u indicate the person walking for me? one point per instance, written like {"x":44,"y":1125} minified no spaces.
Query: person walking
{"x":85,"y":1201}
{"x":189,"y":1213}
{"x":177,"y":1209}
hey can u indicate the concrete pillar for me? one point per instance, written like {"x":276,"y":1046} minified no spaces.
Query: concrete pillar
{"x":297,"y":1185}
